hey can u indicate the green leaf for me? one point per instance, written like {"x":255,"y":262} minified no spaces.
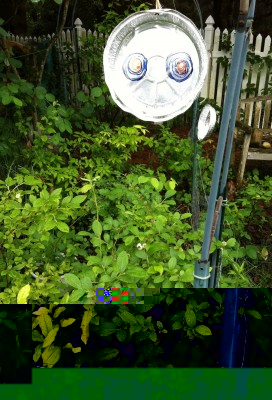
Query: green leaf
{"x":84,"y":233}
{"x":106,"y":328}
{"x":135,"y":328}
{"x":203,"y":330}
{"x":176,"y":325}
{"x":137,"y":272}
{"x":65,"y":299}
{"x":10,"y":324}
{"x":186,"y":215}
{"x":58,"y":311}
{"x":172,"y":262}
{"x":158,"y":268}
{"x":17,"y":101}
{"x":51,"y":355}
{"x":172,"y":184}
{"x":97,"y":227}
{"x":121,"y":335}
{"x":81,"y":96}
{"x":159,"y":325}
{"x":108,"y":354}
{"x":158,"y":279}
{"x":86,"y":188}
{"x":76,"y":295}
{"x":169,"y":193}
{"x":155,"y":183}
{"x":86,"y":283}
{"x":231,"y":242}
{"x":67,"y":322}
{"x":126,"y":278}
{"x":122,"y":261}
{"x":143,"y":179}
{"x":76,"y":201}
{"x":140,"y":319}
{"x":128,"y":317}
{"x":50,"y":337}
{"x":188,"y":275}
{"x":40,"y":92}
{"x":254,"y":314}
{"x":50,"y":97}
{"x":66,"y":200}
{"x":62,"y":226}
{"x":156,"y":247}
{"x":37,"y":353}
{"x":49,"y":224}
{"x":96,"y":92}
{"x":23,"y":294}
{"x":72,"y":280}
{"x":217,"y":297}
{"x":6,"y":99}
{"x":3,"y":32}
{"x":101,"y":101}
{"x":251,"y":252}
{"x":190,"y":318}
{"x":31,"y":181}
{"x":56,"y":193}
{"x":128,"y":240}
{"x":153,"y":336}
{"x":169,"y":300}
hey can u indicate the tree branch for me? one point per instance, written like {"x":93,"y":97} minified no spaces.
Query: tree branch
{"x":53,"y":40}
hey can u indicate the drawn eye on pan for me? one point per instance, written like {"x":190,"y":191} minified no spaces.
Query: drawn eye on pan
{"x":135,"y":66}
{"x":179,"y":66}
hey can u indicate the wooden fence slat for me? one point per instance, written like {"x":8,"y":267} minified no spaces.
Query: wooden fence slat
{"x":257,"y":114}
{"x":267,"y":111}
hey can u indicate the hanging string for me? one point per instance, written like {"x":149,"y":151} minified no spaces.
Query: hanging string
{"x":158,"y":4}
{"x":200,"y":16}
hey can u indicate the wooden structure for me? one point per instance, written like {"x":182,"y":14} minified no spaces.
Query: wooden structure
{"x":254,"y":127}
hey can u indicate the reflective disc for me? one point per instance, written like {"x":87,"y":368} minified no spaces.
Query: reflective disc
{"x":206,"y":121}
{"x":155,"y":64}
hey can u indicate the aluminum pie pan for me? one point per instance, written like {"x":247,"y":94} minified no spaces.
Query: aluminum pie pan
{"x":157,"y":35}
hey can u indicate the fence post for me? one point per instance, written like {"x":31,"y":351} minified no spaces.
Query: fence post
{"x":78,"y":27}
{"x":78,"y":33}
{"x":208,"y":36}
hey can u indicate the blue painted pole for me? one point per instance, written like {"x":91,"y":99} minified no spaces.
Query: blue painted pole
{"x":216,"y":257}
{"x":234,"y":344}
{"x":202,"y":267}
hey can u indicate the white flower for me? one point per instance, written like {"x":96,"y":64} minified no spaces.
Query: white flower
{"x":141,"y":246}
{"x":18,"y":196}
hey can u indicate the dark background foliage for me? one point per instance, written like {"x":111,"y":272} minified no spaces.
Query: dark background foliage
{"x":24,"y":18}
{"x":15,"y":360}
{"x":178,"y":349}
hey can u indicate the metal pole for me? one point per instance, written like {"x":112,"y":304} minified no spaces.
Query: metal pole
{"x":216,"y":257}
{"x":234,"y":343}
{"x":195,"y":195}
{"x":202,"y":267}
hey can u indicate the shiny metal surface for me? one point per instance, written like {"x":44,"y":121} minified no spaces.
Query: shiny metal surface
{"x":206,"y":122}
{"x":155,"y":64}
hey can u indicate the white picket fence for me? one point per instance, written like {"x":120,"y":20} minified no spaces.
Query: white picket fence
{"x":214,"y":87}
